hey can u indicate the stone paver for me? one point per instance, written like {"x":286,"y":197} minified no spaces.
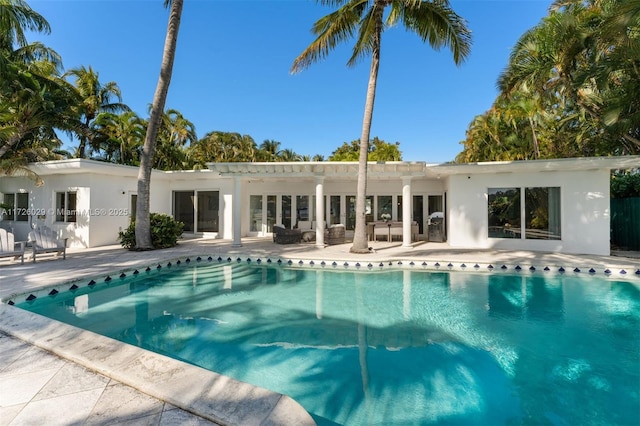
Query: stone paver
{"x":38,"y":387}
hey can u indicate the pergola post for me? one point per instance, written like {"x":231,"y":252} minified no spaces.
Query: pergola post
{"x":406,"y":211}
{"x":320,"y":220}
{"x":237,"y":212}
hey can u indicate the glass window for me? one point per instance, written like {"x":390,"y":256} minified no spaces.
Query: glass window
{"x":385,"y":204}
{"x":351,"y":213}
{"x":255,"y":212}
{"x":184,"y":208}
{"x":134,"y":206}
{"x":504,"y":212}
{"x":9,"y":207}
{"x":542,"y":206}
{"x":418,"y":212}
{"x":435,"y":204}
{"x":286,"y":211}
{"x":302,"y":208}
{"x":368,"y":209}
{"x":334,"y":209}
{"x":271,"y":212}
{"x":399,"y":207}
{"x":66,"y":206}
{"x":208,"y":211}
{"x":22,"y":203}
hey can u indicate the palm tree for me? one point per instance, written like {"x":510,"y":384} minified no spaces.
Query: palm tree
{"x":95,"y":98}
{"x":33,"y":101}
{"x":15,"y":17}
{"x":120,"y":136}
{"x":33,"y":97}
{"x":432,"y":20}
{"x":270,"y":149}
{"x":174,"y":134}
{"x":289,"y":155}
{"x":143,"y":224}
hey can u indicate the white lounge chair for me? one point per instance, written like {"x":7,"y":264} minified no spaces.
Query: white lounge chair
{"x":44,"y":240}
{"x":9,"y":247}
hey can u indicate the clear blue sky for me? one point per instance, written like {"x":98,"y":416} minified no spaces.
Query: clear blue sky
{"x":233,"y":59}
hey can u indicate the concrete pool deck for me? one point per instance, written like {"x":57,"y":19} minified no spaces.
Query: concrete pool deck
{"x":51,"y":373}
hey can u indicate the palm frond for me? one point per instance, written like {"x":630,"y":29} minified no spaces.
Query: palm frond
{"x":436,"y":23}
{"x":332,"y":29}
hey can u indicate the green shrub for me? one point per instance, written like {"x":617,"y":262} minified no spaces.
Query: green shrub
{"x":165,"y":232}
{"x":625,"y":184}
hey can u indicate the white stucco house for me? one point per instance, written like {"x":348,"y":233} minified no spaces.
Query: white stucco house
{"x":547,"y":205}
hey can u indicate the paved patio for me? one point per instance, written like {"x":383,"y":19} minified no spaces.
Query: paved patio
{"x":51,"y":373}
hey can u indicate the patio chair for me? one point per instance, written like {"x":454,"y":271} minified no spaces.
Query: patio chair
{"x":11,"y":248}
{"x":44,"y":240}
{"x":381,"y":229}
{"x":282,"y":235}
{"x":335,"y":234}
{"x":307,"y":231}
{"x":304,"y":225}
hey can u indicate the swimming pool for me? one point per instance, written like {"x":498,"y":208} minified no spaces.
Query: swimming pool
{"x":402,"y":346}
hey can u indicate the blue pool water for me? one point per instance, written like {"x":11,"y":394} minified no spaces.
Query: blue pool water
{"x":395,"y":347}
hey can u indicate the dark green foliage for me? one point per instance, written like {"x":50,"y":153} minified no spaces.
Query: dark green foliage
{"x":625,"y":223}
{"x":379,"y":150}
{"x":165,"y":232}
{"x":625,"y":184}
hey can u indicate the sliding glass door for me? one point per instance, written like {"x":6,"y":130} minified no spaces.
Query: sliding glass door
{"x":208,"y":211}
{"x":184,"y":209}
{"x":198,"y":210}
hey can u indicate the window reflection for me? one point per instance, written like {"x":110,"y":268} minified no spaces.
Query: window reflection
{"x":504,"y":212}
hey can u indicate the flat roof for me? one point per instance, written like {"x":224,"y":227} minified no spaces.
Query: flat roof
{"x":342,"y":169}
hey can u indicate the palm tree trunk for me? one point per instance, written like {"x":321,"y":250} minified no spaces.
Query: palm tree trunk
{"x":360,"y":244}
{"x":82,"y":146}
{"x":536,"y":147}
{"x":143,"y":225}
{"x":7,"y":146}
{"x":13,"y":140}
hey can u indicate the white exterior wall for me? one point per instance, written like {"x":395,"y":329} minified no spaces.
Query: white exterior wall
{"x":103,"y":205}
{"x":10,"y":185}
{"x":42,"y":202}
{"x":584,"y":210}
{"x":104,"y":193}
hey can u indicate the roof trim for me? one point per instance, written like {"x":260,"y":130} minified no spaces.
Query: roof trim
{"x":553,"y":165}
{"x":328,"y":169}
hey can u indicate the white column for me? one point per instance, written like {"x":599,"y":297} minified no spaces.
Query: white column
{"x":406,"y":212}
{"x":237,"y":213}
{"x":320,"y":219}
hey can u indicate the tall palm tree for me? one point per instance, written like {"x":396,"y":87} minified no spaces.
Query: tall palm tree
{"x":95,"y":98}
{"x":432,"y":20}
{"x":143,"y":224}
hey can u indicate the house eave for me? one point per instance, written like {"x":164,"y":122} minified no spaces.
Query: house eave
{"x":532,"y":166}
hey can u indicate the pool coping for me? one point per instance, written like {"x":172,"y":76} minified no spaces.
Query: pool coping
{"x":621,"y":272}
{"x":220,"y":398}
{"x":210,"y":395}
